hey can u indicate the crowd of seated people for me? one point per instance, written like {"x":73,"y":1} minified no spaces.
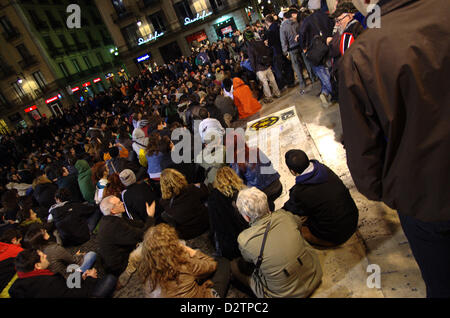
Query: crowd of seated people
{"x":107,"y":168}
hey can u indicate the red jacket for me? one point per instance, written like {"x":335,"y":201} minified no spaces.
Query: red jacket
{"x":9,"y":250}
{"x":246,"y":104}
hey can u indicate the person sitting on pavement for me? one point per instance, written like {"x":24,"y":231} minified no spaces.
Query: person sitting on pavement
{"x":35,"y":280}
{"x":289,"y":266}
{"x":171,"y":269}
{"x":136,"y":196}
{"x":321,"y":196}
{"x":118,"y":236}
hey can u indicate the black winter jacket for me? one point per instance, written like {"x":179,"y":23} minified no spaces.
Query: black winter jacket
{"x":226,"y":224}
{"x":324,"y":199}
{"x":187,"y":213}
{"x":70,"y":220}
{"x":117,"y":238}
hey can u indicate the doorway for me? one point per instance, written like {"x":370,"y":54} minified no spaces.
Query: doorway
{"x":170,"y":52}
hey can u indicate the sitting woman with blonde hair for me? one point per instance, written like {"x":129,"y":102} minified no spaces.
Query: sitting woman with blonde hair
{"x":170,"y":269}
{"x":226,"y":222}
{"x":183,"y":204}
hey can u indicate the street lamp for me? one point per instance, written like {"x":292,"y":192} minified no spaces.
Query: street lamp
{"x":19,"y":80}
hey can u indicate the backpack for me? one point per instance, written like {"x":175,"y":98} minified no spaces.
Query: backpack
{"x":143,"y":158}
{"x":264,"y":54}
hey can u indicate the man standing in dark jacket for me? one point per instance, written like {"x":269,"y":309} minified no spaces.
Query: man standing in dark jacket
{"x":319,"y":194}
{"x":394,"y":97}
{"x":261,"y":59}
{"x":118,"y":236}
{"x":318,"y":24}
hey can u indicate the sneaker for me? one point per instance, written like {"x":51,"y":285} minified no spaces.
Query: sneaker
{"x":267,"y":100}
{"x":302,"y":92}
{"x":324,"y":101}
{"x":276,"y":96}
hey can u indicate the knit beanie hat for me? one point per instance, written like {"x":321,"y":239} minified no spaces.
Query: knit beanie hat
{"x":127,"y":177}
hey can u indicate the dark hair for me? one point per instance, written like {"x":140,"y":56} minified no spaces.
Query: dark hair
{"x":203,"y":113}
{"x":97,"y":171}
{"x":113,"y":152}
{"x":10,"y":200}
{"x":62,"y":195}
{"x":227,"y":83}
{"x":9,"y":235}
{"x":26,"y":260}
{"x":269,"y":18}
{"x":34,"y":237}
{"x":52,"y":172}
{"x":296,"y":160}
{"x":154,"y":122}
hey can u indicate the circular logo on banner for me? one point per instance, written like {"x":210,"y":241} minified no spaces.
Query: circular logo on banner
{"x":265,"y":123}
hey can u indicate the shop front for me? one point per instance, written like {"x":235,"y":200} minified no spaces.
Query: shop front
{"x":54,"y":104}
{"x":225,"y":28}
{"x":197,"y":38}
{"x":33,"y":113}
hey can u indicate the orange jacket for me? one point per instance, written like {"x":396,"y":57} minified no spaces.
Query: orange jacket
{"x":246,"y":104}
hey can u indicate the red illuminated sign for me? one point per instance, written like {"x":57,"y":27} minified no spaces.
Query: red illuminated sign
{"x":87,"y":84}
{"x":75,"y":89}
{"x":51,"y":99}
{"x":97,"y":80}
{"x":29,"y":109}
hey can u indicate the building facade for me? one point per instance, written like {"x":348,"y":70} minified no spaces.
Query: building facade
{"x":46,"y":66}
{"x":159,"y":31}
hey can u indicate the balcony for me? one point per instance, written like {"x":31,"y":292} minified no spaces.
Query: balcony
{"x":94,"y":44}
{"x":144,"y":4}
{"x":14,"y":34}
{"x":56,"y":24}
{"x":108,"y":41}
{"x":7,"y":72}
{"x":56,"y":52}
{"x":29,"y":62}
{"x":124,"y":16}
{"x":82,"y":47}
{"x":25,"y":99}
{"x":69,"y":49}
{"x":41,"y":26}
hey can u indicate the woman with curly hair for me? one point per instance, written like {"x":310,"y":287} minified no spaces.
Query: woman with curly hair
{"x":226,"y":222}
{"x":183,"y":204}
{"x":170,"y":269}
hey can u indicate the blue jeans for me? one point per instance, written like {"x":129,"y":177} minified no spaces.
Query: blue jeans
{"x":430,"y":245}
{"x":88,"y":261}
{"x":297,"y":66}
{"x":323,"y":74}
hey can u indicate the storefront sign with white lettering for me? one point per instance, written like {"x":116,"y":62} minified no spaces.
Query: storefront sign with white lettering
{"x":198,"y":17}
{"x":150,"y":38}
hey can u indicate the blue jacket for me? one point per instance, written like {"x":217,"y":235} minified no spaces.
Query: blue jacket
{"x":254,"y":177}
{"x":155,"y":164}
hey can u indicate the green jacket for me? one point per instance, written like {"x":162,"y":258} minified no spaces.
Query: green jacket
{"x":290,"y":267}
{"x":84,"y":180}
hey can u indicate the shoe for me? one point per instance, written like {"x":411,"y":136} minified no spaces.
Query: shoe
{"x":328,"y":98}
{"x":267,"y":100}
{"x":276,"y":96}
{"x":302,"y":92}
{"x":324,"y":101}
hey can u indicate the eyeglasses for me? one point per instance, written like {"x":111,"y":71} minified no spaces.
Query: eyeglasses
{"x":339,"y":20}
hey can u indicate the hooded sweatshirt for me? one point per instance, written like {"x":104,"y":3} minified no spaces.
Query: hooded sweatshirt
{"x":140,"y":141}
{"x":288,"y":32}
{"x":322,"y":196}
{"x":246,"y":104}
{"x":84,"y":180}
